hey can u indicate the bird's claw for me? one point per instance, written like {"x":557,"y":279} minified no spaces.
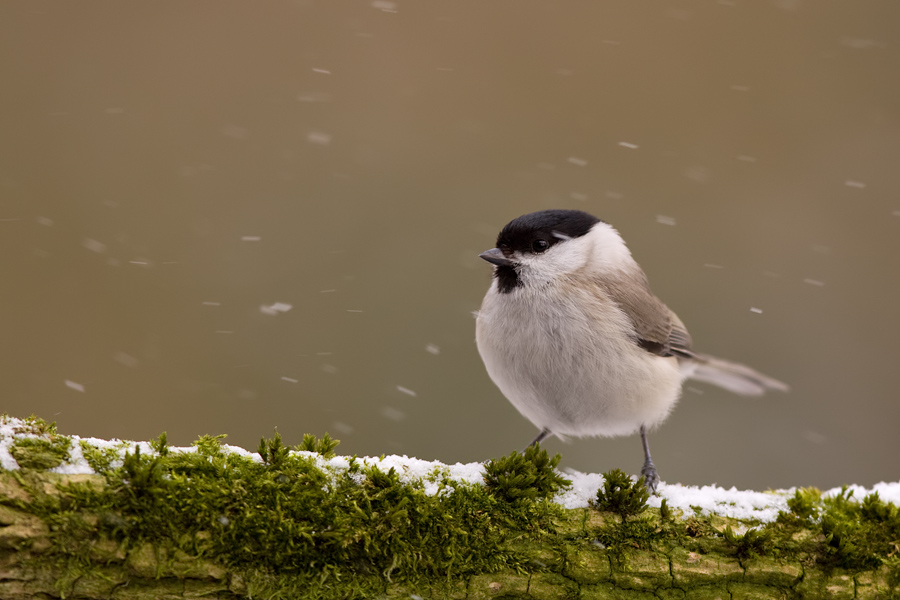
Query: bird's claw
{"x":651,"y":477}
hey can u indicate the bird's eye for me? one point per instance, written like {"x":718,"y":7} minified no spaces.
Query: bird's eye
{"x":538,"y":246}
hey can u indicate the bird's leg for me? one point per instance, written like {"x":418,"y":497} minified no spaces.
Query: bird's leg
{"x":543,"y":435}
{"x":651,"y":477}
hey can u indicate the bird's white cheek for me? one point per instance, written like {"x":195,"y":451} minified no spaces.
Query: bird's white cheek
{"x":562,"y":259}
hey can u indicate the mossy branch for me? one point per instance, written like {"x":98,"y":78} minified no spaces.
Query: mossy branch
{"x":160,"y":522}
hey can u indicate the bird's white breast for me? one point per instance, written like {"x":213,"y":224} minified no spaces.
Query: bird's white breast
{"x":567,"y":361}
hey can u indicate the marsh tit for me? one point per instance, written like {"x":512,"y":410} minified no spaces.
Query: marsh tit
{"x":574,"y":338}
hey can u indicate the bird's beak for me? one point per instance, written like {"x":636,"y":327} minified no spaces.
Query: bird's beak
{"x":495,"y":256}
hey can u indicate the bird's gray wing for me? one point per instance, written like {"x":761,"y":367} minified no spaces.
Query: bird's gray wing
{"x":658,"y":330}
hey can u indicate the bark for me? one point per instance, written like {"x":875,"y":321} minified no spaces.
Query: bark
{"x":34,"y":565}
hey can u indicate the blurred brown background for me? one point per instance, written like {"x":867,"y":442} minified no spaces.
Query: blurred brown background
{"x":170,"y":171}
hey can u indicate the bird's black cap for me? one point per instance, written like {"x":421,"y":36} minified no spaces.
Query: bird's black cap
{"x":552,"y":226}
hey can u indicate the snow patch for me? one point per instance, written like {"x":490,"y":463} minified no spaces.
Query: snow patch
{"x":707,"y":499}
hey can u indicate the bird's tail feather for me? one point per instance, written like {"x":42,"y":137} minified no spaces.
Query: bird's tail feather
{"x":732,"y":376}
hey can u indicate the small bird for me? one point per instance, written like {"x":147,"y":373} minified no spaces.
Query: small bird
{"x":575,"y":339}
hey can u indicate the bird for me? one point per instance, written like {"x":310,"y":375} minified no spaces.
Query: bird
{"x":571,"y":333}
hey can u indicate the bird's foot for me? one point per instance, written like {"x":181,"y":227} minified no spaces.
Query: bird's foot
{"x":651,"y":477}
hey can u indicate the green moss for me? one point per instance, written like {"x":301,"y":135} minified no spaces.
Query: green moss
{"x":40,"y":452}
{"x":893,"y":575}
{"x":754,"y":542}
{"x":528,"y":476}
{"x":101,"y":460}
{"x":161,"y":444}
{"x":41,"y":447}
{"x":838,"y":531}
{"x":325,"y":446}
{"x":273,"y":452}
{"x":621,"y":495}
{"x":287,"y":527}
{"x":208,"y":446}
{"x":33,"y":425}
{"x":628,"y":523}
{"x":665,"y":513}
{"x":804,"y":507}
{"x":859,"y":535}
